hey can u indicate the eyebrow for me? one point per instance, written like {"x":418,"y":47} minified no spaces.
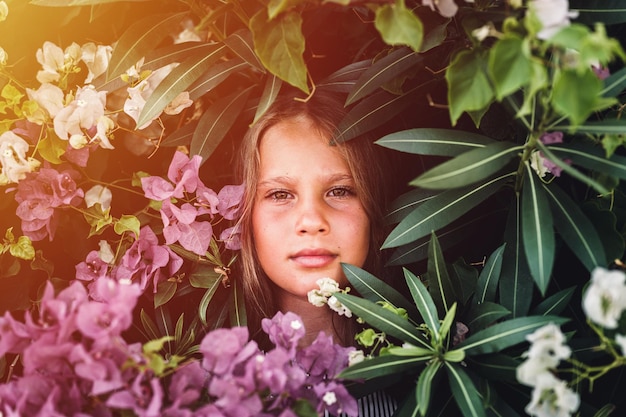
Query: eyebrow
{"x":283,"y":179}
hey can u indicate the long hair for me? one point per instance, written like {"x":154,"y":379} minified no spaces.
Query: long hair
{"x":325,"y":111}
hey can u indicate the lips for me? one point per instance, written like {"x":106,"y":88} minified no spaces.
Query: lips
{"x":313,"y":258}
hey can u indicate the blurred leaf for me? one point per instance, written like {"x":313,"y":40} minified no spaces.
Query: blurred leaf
{"x":423,"y":301}
{"x":432,"y":141}
{"x":382,"y":71}
{"x":242,"y":44}
{"x":139,"y":39}
{"x":178,"y":80}
{"x":344,"y":79}
{"x":216,"y":122}
{"x":537,"y":231}
{"x":214,"y":77}
{"x":592,"y":157}
{"x":510,"y":65}
{"x":555,"y":304}
{"x":439,"y":285}
{"x":238,"y":316}
{"x":398,"y":25}
{"x":464,"y":391}
{"x":575,"y":228}
{"x":425,"y":385}
{"x":484,"y":314}
{"x":384,"y":320}
{"x":279,"y":44}
{"x":605,"y":11}
{"x":469,"y":167}
{"x":180,"y":137}
{"x":615,"y":83}
{"x":406,"y":203}
{"x":174,"y":53}
{"x":374,"y":289}
{"x":505,"y":334}
{"x":573,"y":102}
{"x":495,"y":366}
{"x":516,"y":283}
{"x":51,"y":148}
{"x":489,"y":277}
{"x":468,"y":87}
{"x":382,"y":365}
{"x":271,"y":90}
{"x":148,"y":325}
{"x":441,"y":210}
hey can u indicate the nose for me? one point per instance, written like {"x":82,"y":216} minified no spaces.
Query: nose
{"x":311,"y":217}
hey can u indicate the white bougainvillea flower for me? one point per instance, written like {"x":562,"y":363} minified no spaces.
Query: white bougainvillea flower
{"x":49,"y":97}
{"x":446,"y":8}
{"x":355,"y":356}
{"x":605,"y":298}
{"x":548,"y":341}
{"x":78,"y":141}
{"x":55,"y":61}
{"x":187,"y":35}
{"x":621,"y":342}
{"x":81,"y":113}
{"x":553,"y":15}
{"x":99,"y":194}
{"x":96,"y":58}
{"x":4,"y":11}
{"x":319,"y":296}
{"x":104,"y":128}
{"x":552,"y":398}
{"x":339,"y":308}
{"x":13,"y":161}
{"x":105,"y":252}
{"x":4,"y":57}
{"x":138,"y":94}
{"x":179,"y":103}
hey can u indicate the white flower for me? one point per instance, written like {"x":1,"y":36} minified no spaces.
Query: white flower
{"x":55,"y":61}
{"x":536,"y":163}
{"x":99,"y":194}
{"x":49,"y":97}
{"x":179,"y":103}
{"x":530,"y":370}
{"x":138,"y":94}
{"x":553,"y":15}
{"x":4,"y":11}
{"x":547,"y":349}
{"x":96,"y":58}
{"x":327,"y":287}
{"x":552,"y":398}
{"x":13,"y":161}
{"x":355,"y":356}
{"x":605,"y":298}
{"x":106,"y":253}
{"x":329,"y":398}
{"x":78,"y":141}
{"x":4,"y":57}
{"x":335,"y":305}
{"x":104,"y":127}
{"x":621,"y":341}
{"x":295,"y":324}
{"x":81,"y":113}
{"x":446,"y":8}
{"x":187,"y":35}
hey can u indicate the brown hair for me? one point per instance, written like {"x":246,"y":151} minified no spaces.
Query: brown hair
{"x":325,"y":111}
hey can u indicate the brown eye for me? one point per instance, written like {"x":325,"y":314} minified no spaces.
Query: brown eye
{"x":279,"y":195}
{"x":341,"y":192}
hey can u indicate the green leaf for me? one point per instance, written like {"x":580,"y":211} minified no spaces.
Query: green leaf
{"x":22,"y":249}
{"x":178,"y":80}
{"x":572,"y":101}
{"x":604,"y":11}
{"x":238,"y":316}
{"x":505,"y":334}
{"x":575,"y":228}
{"x":489,"y":276}
{"x":271,"y":90}
{"x":344,"y":79}
{"x":205,"y":276}
{"x":216,"y":122}
{"x":614,"y":84}
{"x":555,"y":304}
{"x":382,"y":365}
{"x":165,"y":292}
{"x":279,"y":43}
{"x":139,"y":39}
{"x":433,"y":141}
{"x":398,"y":25}
{"x":441,"y":210}
{"x":383,"y":319}
{"x":51,"y":147}
{"x":439,"y":285}
{"x":406,"y":203}
{"x":374,"y":289}
{"x":484,"y":314}
{"x":510,"y":65}
{"x":516,"y":283}
{"x":464,"y":392}
{"x":214,"y":77}
{"x":204,"y":302}
{"x":127,"y":223}
{"x":468,"y":87}
{"x":537,"y":232}
{"x":383,"y":71}
{"x":424,"y":302}
{"x":242,"y":44}
{"x":592,"y":157}
{"x":148,"y":325}
{"x":469,"y":167}
{"x":425,"y":385}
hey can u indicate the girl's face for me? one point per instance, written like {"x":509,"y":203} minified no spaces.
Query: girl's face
{"x":306,"y":217}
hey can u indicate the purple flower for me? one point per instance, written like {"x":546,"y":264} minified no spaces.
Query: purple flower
{"x":335,"y":398}
{"x":231,"y":237}
{"x":92,"y":268}
{"x":14,"y":335}
{"x":184,"y":173}
{"x":285,"y":330}
{"x":180,"y":226}
{"x":221,"y":348}
{"x":230,"y":197}
{"x":144,"y":396}
{"x":323,"y":358}
{"x":550,"y":138}
{"x":157,"y":188}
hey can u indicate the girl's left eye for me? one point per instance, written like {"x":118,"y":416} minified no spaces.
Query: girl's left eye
{"x":341,"y":192}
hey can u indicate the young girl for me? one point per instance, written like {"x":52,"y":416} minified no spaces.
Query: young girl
{"x":310,"y":204}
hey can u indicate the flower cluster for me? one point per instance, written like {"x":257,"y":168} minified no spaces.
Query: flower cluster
{"x":77,"y":362}
{"x":324,"y":296}
{"x":551,"y":396}
{"x":605,"y":298}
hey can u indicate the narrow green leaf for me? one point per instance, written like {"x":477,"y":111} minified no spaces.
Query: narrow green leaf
{"x":180,"y":137}
{"x":433,"y":141}
{"x":425,"y":385}
{"x":575,"y":228}
{"x":214,"y":77}
{"x":141,"y":38}
{"x":603,"y":11}
{"x":464,"y":392}
{"x":238,"y":316}
{"x":489,"y":276}
{"x":439,"y":285}
{"x":383,"y":71}
{"x":592,"y":157}
{"x":148,"y":325}
{"x":442,"y":210}
{"x":614,"y":84}
{"x":382,"y":365}
{"x":446,"y":325}
{"x":206,"y":299}
{"x":177,"y":81}
{"x":178,"y":332}
{"x":271,"y":90}
{"x":344,"y":79}
{"x":165,"y":292}
{"x":555,"y":304}
{"x":216,"y":122}
{"x":383,"y":319}
{"x":374,"y":289}
{"x":279,"y":43}
{"x":174,"y":53}
{"x":406,"y":203}
{"x":505,"y":334}
{"x":537,"y":231}
{"x":424,"y":302}
{"x":242,"y":44}
{"x":469,"y":167}
{"x":484,"y":314}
